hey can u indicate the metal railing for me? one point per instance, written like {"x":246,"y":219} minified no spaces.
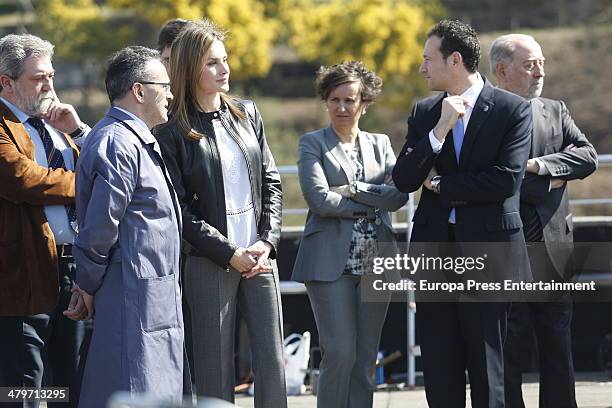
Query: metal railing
{"x":604,"y":159}
{"x":412,"y":349}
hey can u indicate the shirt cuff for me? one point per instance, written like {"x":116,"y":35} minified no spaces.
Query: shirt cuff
{"x":436,"y":146}
{"x":543,"y":170}
{"x":80,"y":141}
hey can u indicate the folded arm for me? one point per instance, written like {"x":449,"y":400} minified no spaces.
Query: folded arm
{"x":384,"y":196}
{"x":320,"y":199}
{"x":577,"y":158}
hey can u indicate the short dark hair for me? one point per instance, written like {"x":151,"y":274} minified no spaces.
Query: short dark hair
{"x":329,"y":78}
{"x":169,"y":32}
{"x":460,"y":37}
{"x":125,"y":67}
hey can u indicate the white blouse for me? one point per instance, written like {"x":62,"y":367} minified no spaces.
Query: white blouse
{"x":239,"y":208}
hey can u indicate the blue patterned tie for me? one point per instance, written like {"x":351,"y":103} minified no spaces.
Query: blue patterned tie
{"x":458,"y":133}
{"x":55,"y":160}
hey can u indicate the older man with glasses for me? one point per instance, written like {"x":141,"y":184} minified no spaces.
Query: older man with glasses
{"x":129,"y":240}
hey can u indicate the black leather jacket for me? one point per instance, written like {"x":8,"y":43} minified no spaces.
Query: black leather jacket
{"x":195,"y":169}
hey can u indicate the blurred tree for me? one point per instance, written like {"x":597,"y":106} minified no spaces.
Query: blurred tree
{"x":251,"y":31}
{"x":80,"y":28}
{"x":387,"y":35}
{"x":157,"y":12}
{"x":251,"y":38}
{"x":84,"y":33}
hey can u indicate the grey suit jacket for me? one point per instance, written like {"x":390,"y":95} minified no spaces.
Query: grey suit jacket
{"x":567,"y":154}
{"x":327,"y":235}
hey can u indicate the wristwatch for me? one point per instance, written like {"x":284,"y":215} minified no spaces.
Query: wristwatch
{"x":353,"y":188}
{"x":80,"y":131}
{"x":435,"y":184}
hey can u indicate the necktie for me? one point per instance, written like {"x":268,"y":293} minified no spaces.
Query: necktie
{"x":55,"y":160}
{"x":458,"y":133}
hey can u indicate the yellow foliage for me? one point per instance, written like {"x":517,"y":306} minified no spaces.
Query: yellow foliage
{"x":251,"y":36}
{"x":80,"y":29}
{"x":157,"y":12}
{"x":387,"y":35}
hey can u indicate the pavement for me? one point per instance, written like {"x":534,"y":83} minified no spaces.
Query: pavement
{"x":593,"y":390}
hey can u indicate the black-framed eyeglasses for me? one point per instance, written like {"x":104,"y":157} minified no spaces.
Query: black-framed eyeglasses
{"x":165,"y":85}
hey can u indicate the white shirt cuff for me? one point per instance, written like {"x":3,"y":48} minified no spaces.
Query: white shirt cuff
{"x":436,"y":146}
{"x":542,"y":168}
{"x":80,"y":141}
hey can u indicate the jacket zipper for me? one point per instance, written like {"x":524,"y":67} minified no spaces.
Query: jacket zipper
{"x":215,"y":152}
{"x":240,"y":144}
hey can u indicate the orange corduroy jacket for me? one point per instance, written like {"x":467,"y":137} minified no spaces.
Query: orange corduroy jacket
{"x":28,"y":255}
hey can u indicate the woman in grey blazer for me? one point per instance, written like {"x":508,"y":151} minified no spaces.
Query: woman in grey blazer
{"x":345,"y":176}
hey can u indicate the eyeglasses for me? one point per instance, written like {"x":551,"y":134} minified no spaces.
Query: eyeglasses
{"x":165,"y":85}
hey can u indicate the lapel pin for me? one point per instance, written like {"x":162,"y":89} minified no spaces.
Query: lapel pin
{"x":486,"y":108}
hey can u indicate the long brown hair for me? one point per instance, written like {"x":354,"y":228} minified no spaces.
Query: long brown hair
{"x":188,"y":56}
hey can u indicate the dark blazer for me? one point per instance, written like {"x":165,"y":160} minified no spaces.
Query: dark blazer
{"x":28,"y":256}
{"x":324,"y":248}
{"x":553,"y":132}
{"x":484,"y":187}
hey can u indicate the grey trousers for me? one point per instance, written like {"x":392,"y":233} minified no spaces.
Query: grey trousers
{"x":349,"y":334}
{"x":212,"y":295}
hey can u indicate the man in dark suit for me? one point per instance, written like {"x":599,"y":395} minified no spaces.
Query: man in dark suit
{"x":37,"y":158}
{"x":477,"y":138}
{"x":559,"y":152}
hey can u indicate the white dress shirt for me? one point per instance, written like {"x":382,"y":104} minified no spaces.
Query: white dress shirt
{"x":471,"y":96}
{"x":56,"y":214}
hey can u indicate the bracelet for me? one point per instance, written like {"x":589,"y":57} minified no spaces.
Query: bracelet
{"x":352,"y":188}
{"x":435,"y":184}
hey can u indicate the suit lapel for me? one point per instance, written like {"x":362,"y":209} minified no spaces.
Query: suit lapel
{"x":480,"y":113}
{"x":22,"y":138}
{"x":538,"y":135}
{"x":367,"y":156}
{"x":18,"y":131}
{"x":333,"y":145}
{"x":73,"y":146}
{"x":447,"y":154}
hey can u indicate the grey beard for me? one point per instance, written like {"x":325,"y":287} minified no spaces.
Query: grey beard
{"x":34,"y":107}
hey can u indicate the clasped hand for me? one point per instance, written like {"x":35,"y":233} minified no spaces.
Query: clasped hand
{"x":81,"y":306}
{"x":253,"y":260}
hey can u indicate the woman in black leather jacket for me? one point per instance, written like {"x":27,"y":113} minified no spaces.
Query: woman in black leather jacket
{"x":230,"y":193}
